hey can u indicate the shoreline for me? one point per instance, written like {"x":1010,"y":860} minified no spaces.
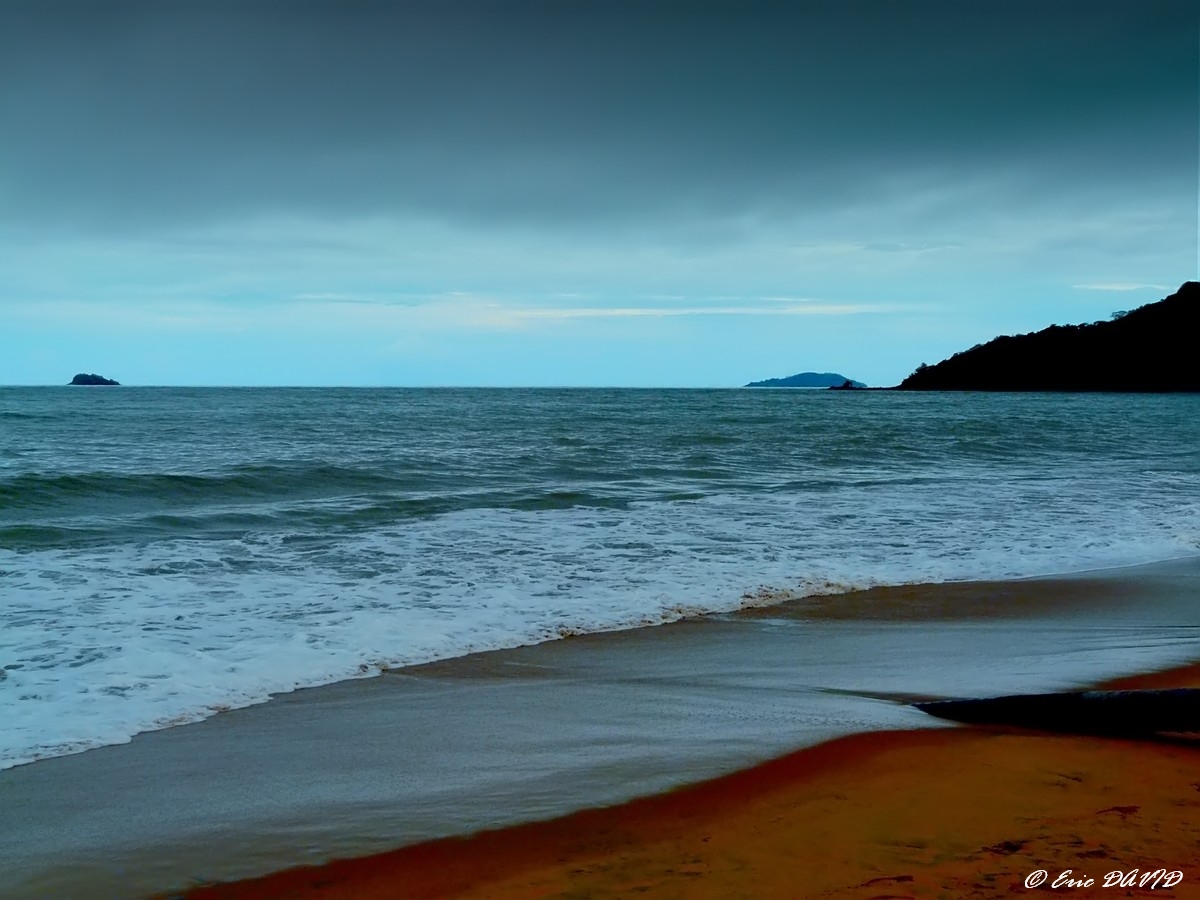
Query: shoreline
{"x":888,"y":821}
{"x":535,"y":733}
{"x":904,"y":600}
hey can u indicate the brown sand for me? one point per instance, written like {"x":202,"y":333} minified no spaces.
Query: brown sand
{"x":962,"y":812}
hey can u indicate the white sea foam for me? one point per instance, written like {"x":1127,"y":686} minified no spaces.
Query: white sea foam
{"x":119,"y":640}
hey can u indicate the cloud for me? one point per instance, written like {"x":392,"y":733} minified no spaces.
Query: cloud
{"x":458,"y":311}
{"x":134,"y":116}
{"x":606,"y":312}
{"x":137,"y":317}
{"x":1120,"y":286}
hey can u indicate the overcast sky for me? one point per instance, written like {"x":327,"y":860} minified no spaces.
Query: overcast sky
{"x":577,"y":192}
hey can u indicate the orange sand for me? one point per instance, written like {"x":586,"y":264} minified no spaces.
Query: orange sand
{"x":962,"y":812}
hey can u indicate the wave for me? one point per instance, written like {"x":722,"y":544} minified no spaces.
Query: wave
{"x":243,"y":483}
{"x":196,"y":508}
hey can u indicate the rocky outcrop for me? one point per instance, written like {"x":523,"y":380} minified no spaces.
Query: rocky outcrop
{"x":81,"y":378}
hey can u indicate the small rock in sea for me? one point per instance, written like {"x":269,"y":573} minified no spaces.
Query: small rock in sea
{"x":93,"y":379}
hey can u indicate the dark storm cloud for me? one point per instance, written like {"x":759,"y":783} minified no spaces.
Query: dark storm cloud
{"x":141,"y":114}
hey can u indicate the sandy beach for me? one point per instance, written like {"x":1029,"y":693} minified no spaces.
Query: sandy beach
{"x":969,"y":812}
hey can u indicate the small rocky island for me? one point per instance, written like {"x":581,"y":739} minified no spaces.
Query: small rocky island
{"x":81,"y":378}
{"x":809,"y":380}
{"x":1150,"y":349}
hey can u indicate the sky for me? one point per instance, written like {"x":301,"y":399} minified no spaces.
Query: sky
{"x":580,"y":192}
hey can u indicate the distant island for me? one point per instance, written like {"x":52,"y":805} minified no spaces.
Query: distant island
{"x":809,"y":380}
{"x":81,"y":378}
{"x":1148,"y":349}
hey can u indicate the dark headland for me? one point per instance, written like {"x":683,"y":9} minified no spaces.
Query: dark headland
{"x":808,"y":380}
{"x":82,"y":378}
{"x":1151,"y":349}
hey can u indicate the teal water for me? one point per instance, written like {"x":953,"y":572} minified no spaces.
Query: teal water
{"x":165,"y":552}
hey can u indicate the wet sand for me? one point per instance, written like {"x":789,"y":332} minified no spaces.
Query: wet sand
{"x":534,"y":733}
{"x":969,"y":812}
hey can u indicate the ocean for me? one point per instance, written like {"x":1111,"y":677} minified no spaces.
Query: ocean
{"x":168,"y":553}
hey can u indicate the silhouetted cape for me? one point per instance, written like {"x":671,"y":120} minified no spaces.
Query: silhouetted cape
{"x":1152,"y":348}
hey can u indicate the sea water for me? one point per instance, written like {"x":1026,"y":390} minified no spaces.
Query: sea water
{"x":167,"y":553}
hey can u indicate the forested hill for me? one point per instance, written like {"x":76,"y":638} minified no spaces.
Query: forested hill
{"x":1151,"y":348}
